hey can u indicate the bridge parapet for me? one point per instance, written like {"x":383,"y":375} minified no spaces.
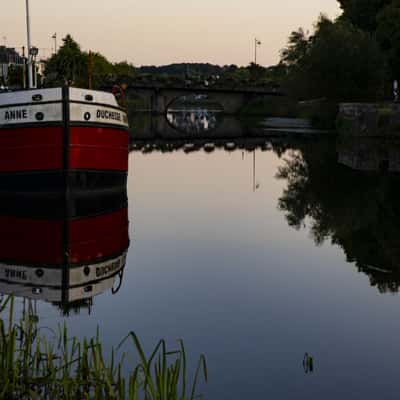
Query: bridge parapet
{"x":160,"y":98}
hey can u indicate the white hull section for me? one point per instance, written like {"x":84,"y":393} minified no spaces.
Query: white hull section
{"x":43,"y":106}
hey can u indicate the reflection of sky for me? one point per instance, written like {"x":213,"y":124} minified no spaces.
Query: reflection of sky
{"x":217,"y":265}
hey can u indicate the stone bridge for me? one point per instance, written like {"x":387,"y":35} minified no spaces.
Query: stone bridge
{"x":159,"y":99}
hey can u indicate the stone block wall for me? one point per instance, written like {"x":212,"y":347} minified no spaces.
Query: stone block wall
{"x":369,"y":119}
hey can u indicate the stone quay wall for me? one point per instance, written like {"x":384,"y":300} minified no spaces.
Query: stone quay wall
{"x":369,"y":119}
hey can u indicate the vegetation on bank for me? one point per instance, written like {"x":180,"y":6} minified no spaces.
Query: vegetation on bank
{"x":353,"y":58}
{"x":338,"y":62}
{"x":32,"y":366}
{"x":71,"y":64}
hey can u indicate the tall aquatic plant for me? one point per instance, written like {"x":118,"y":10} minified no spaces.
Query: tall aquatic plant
{"x":35,"y":367}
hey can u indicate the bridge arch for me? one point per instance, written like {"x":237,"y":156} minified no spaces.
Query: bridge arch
{"x":175,"y":99}
{"x":231,"y":104}
{"x":231,"y":100}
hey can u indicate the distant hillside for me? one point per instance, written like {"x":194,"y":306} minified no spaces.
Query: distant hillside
{"x":183,"y":69}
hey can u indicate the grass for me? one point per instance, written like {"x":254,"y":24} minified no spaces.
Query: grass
{"x":34,"y":367}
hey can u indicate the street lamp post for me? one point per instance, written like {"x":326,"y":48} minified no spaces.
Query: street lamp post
{"x":256,"y":44}
{"x":55,"y":42}
{"x":28,"y":29}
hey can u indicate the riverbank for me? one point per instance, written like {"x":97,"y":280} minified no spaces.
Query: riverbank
{"x":369,"y":119}
{"x":39,"y":367}
{"x":320,"y":113}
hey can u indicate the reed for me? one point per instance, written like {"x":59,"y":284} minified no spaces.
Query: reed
{"x":33,"y":366}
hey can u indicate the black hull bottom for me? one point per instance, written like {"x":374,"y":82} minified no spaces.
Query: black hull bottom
{"x":52,"y":195}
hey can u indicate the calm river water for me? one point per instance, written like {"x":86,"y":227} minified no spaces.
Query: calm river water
{"x":257,"y":252}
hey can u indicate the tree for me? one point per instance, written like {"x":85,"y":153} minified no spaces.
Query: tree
{"x":296,"y":50}
{"x":99,"y":67}
{"x":388,"y":35}
{"x":15,"y":76}
{"x":257,"y":72}
{"x":124,"y":69}
{"x":363,"y":13}
{"x":339,"y":62}
{"x":69,"y":64}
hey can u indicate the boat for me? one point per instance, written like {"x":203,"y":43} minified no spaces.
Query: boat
{"x":62,"y":134}
{"x":64,"y":230}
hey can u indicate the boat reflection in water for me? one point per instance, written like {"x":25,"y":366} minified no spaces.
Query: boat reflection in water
{"x":63,"y":244}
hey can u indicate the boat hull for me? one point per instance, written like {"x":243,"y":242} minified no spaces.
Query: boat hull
{"x":64,"y":230}
{"x":68,"y":130}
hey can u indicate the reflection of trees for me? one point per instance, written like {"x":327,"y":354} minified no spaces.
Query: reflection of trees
{"x":194,"y":145}
{"x":358,"y":211}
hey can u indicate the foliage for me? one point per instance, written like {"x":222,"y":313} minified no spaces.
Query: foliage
{"x":15,"y":76}
{"x":363,"y":13}
{"x":73,"y":65}
{"x":361,"y":49}
{"x":68,"y":65}
{"x":379,"y":18}
{"x":124,"y":69}
{"x":338,"y":62}
{"x":182,"y":69}
{"x":197,"y":74}
{"x":388,"y":35}
{"x":32,"y":366}
{"x":296,"y":50}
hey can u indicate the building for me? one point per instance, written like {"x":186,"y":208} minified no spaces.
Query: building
{"x":8,"y":57}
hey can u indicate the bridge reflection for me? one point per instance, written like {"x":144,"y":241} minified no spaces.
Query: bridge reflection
{"x":196,"y":120}
{"x":207,"y":145}
{"x":188,"y":124}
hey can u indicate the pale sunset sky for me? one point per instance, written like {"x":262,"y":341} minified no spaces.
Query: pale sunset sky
{"x":163,"y":32}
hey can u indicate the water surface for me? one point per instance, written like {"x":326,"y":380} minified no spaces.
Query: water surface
{"x":255,"y":256}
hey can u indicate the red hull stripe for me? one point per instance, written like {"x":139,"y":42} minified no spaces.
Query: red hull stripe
{"x":31,"y":149}
{"x":40,"y":242}
{"x":41,"y":148}
{"x":98,"y":148}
